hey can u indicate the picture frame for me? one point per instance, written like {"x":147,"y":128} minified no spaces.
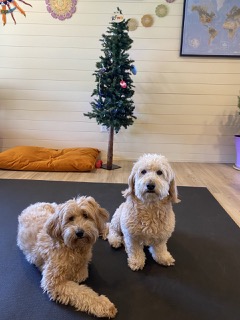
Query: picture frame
{"x":211,"y":28}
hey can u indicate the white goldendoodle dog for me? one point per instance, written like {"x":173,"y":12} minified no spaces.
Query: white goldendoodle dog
{"x":146,"y":218}
{"x":58,"y":239}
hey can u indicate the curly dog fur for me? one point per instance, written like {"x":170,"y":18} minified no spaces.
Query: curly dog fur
{"x":146,"y":218}
{"x":59,"y":239}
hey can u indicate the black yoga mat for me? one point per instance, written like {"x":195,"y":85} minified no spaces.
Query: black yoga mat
{"x":203,"y":285}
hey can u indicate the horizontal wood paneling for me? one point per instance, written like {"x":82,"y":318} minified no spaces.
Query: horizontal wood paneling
{"x":185,"y":107}
{"x":143,"y":87}
{"x":182,"y":109}
{"x":158,"y":119}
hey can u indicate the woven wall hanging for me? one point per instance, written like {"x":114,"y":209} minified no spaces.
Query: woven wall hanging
{"x":147,"y":20}
{"x":132,"y":24}
{"x":61,"y":9}
{"x":161,"y":10}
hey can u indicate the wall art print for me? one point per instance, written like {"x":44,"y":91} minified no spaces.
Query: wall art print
{"x":211,"y":28}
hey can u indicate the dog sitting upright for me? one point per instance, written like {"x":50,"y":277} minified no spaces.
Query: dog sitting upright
{"x":146,"y":218}
{"x":58,"y":239}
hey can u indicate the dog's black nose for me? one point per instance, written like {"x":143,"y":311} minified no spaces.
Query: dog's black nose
{"x":150,"y":187}
{"x":79,"y":233}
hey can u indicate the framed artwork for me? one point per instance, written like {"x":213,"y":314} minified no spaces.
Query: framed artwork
{"x":211,"y":28}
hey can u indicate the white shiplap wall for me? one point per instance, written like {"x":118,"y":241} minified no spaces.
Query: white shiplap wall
{"x":186,"y":107}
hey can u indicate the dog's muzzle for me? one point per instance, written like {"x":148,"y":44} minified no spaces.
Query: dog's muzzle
{"x":80,"y":233}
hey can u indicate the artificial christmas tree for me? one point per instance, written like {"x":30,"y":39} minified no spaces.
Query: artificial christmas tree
{"x":113,"y":106}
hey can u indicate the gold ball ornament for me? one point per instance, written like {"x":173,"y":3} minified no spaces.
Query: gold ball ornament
{"x":161,"y":10}
{"x":132,"y":24}
{"x":147,"y":20}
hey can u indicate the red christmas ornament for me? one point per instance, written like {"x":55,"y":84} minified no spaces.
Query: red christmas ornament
{"x":123,"y":84}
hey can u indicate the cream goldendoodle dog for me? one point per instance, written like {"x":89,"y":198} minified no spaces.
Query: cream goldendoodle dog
{"x":58,"y":239}
{"x":146,"y":218}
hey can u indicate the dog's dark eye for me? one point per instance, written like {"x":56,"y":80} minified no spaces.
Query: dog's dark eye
{"x":71,"y":218}
{"x":159,"y":172}
{"x":85,"y":215}
{"x":143,"y":172}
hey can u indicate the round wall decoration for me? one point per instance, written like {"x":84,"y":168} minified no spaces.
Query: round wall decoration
{"x":61,"y":9}
{"x":161,"y":10}
{"x":147,"y":20}
{"x":170,"y":1}
{"x":132,"y":24}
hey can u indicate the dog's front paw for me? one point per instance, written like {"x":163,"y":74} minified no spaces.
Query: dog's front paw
{"x":105,"y":231}
{"x":136,"y":264}
{"x":166,"y":259}
{"x":105,"y":308}
{"x":162,"y":256}
{"x":115,"y":241}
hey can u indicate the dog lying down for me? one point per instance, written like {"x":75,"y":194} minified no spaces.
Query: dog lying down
{"x":146,"y":218}
{"x":58,"y":239}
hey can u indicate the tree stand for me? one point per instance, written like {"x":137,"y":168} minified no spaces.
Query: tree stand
{"x":109,"y":165}
{"x":237,"y":146}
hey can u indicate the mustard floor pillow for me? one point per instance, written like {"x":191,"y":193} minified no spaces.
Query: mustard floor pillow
{"x":44,"y":159}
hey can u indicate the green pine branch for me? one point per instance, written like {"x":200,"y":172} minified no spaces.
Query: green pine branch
{"x":113,"y":105}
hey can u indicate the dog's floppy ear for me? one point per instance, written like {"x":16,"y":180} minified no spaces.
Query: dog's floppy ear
{"x":102,"y":218}
{"x":101,"y":215}
{"x":131,"y":186}
{"x":173,"y":192}
{"x":53,"y":227}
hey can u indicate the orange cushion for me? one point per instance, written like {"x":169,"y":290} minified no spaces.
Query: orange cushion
{"x":45,"y":159}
